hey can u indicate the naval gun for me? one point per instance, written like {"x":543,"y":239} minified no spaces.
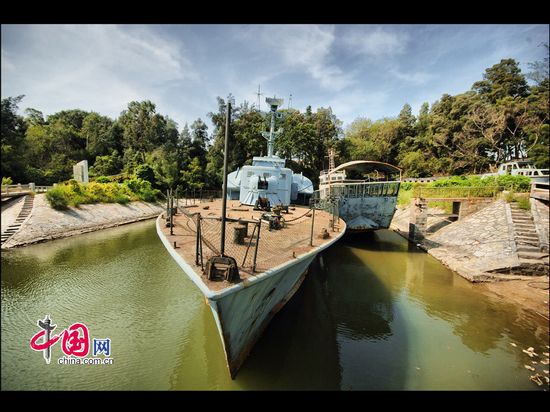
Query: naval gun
{"x":268,"y":177}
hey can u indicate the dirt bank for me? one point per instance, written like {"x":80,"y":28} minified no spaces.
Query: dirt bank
{"x":530,"y":294}
{"x":46,"y":223}
{"x":473,"y":246}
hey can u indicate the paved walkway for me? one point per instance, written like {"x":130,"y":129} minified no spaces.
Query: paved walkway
{"x":481,"y":242}
{"x":10,"y":211}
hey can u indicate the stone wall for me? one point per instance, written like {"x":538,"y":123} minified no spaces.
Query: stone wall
{"x":46,"y":223}
{"x":539,"y":210}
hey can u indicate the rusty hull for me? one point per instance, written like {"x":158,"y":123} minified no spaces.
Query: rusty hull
{"x":243,"y":310}
{"x":379,"y":209}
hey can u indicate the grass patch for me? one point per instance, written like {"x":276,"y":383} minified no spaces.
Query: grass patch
{"x":523,"y":203}
{"x":521,"y":200}
{"x":404,"y":197}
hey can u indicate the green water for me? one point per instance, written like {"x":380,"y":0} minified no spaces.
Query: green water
{"x":374,"y":313}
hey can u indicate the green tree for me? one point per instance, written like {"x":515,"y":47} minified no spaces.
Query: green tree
{"x":501,"y":80}
{"x":193,"y":177}
{"x":540,"y":70}
{"x":34,"y":117}
{"x":373,"y":140}
{"x":98,"y":132}
{"x":107,"y":165}
{"x":143,"y":128}
{"x":165,"y":167}
{"x":12,"y":140}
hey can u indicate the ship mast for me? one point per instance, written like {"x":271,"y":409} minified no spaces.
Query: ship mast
{"x":272,"y":135}
{"x":331,"y":155}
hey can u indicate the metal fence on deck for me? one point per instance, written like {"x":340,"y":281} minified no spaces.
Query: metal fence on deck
{"x":192,"y":197}
{"x":262,"y":244}
{"x":362,"y":189}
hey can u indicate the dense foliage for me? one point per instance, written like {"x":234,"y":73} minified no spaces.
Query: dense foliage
{"x":501,"y":118}
{"x":73,"y":193}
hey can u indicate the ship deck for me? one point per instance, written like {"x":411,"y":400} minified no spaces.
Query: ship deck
{"x":275,"y":248}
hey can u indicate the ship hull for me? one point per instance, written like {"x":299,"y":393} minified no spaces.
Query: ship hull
{"x":243,"y":316}
{"x":243,"y":311}
{"x":363,"y":214}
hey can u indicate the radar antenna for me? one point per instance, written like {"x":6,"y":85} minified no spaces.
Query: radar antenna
{"x":259,"y":94}
{"x":272,"y":134}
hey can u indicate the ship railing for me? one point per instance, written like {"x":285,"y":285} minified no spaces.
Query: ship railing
{"x":362,"y":189}
{"x":251,"y":242}
{"x":458,"y":192}
{"x":196,"y":196}
{"x":328,"y":203}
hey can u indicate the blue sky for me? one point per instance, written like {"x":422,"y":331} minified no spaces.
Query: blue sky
{"x":359,"y":70}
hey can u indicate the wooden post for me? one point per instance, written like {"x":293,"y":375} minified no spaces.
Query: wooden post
{"x":257,"y":244}
{"x":171,"y":215}
{"x":312,"y":224}
{"x":167,"y":203}
{"x":224,"y":186}
{"x":198,"y":239}
{"x":249,"y":243}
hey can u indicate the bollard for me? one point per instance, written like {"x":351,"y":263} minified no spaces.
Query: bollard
{"x":312,"y":224}
{"x":239,"y":233}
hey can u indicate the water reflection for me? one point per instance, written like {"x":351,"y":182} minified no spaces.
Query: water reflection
{"x":299,"y":347}
{"x":374,"y":313}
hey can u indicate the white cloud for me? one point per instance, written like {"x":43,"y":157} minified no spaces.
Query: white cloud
{"x":7,"y":65}
{"x":105,"y":66}
{"x":307,"y":48}
{"x":415,"y":78}
{"x":349,"y":106}
{"x":376,"y":43}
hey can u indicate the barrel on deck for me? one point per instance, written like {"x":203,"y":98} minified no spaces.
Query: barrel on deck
{"x":239,"y":233}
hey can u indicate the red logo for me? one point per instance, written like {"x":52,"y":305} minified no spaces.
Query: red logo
{"x":76,"y":339}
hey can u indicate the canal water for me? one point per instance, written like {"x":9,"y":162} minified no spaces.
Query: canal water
{"x":374,"y":313}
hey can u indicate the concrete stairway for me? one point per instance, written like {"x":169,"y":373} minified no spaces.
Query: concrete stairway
{"x":527,"y":240}
{"x":21,"y":217}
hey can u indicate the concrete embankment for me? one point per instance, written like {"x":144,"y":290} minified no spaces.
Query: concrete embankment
{"x":45,"y":223}
{"x":478,"y":247}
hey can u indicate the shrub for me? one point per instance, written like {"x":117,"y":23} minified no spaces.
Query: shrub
{"x":57,"y":198}
{"x":7,"y":181}
{"x":507,"y":182}
{"x":406,"y":185}
{"x":149,"y":195}
{"x":121,"y":198}
{"x":102,"y":179}
{"x":74,"y":193}
{"x":450,"y":181}
{"x":515,"y":183}
{"x":142,"y":189}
